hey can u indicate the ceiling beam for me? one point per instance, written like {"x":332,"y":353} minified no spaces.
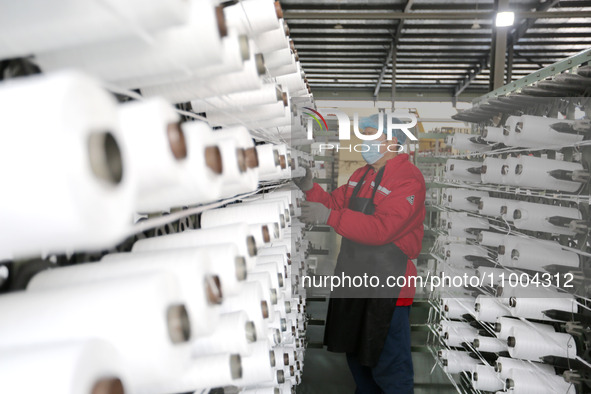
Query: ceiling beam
{"x":432,"y":15}
{"x":298,"y":26}
{"x":427,"y":6}
{"x":392,"y":53}
{"x":376,"y":91}
{"x":514,"y":38}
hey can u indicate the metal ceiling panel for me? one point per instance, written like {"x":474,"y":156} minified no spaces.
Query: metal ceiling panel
{"x":350,"y":51}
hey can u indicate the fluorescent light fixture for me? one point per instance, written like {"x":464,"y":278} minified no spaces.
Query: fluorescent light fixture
{"x":505,"y":18}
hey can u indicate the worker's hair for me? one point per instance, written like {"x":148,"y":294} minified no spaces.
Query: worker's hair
{"x":373,"y":121}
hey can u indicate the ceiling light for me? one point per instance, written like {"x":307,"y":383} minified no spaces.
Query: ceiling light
{"x":338,"y":26}
{"x":505,"y":18}
{"x":476,"y":25}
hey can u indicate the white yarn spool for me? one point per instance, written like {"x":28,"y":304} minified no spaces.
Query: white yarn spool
{"x":261,"y":234}
{"x":492,"y":206}
{"x":462,"y":142}
{"x":275,"y":231}
{"x":252,"y":301}
{"x":488,"y":309}
{"x":492,"y":170}
{"x":536,"y":132}
{"x":485,"y":378}
{"x":534,"y":217}
{"x":533,"y":254}
{"x":190,"y":89}
{"x":272,"y":40}
{"x":277,"y":277}
{"x":458,"y":224}
{"x":493,"y":134}
{"x":532,"y":345}
{"x":269,"y":93}
{"x":508,"y":175}
{"x":455,"y":361}
{"x":269,"y":291}
{"x":268,"y":159}
{"x":292,"y":67}
{"x":282,"y":150}
{"x":127,"y":312}
{"x":189,"y":267}
{"x":235,"y":50}
{"x":284,"y":210}
{"x":523,"y":290}
{"x":267,"y":128}
{"x":248,"y":180}
{"x":247,"y":114}
{"x":281,"y":57}
{"x":495,"y":207}
{"x":455,"y":308}
{"x":208,"y":371}
{"x":292,"y":82}
{"x":201,"y":176}
{"x":237,"y":234}
{"x":173,"y":50}
{"x":278,"y":250}
{"x":64,"y":367}
{"x":246,"y":213}
{"x":253,"y":16}
{"x":278,"y":172}
{"x":279,"y":324}
{"x":286,"y":244}
{"x":155,"y":143}
{"x":509,"y":133}
{"x":286,"y":197}
{"x":234,"y":334}
{"x":226,"y":263}
{"x":456,"y":198}
{"x":257,"y":367}
{"x":526,"y":382}
{"x":455,"y":253}
{"x":504,"y":366}
{"x":457,"y":170}
{"x":489,"y":344}
{"x":31,"y":26}
{"x":88,"y":197}
{"x":273,"y":336}
{"x":533,"y":172}
{"x":233,"y":163}
{"x":508,"y":243}
{"x":504,"y":325}
{"x":488,"y":238}
{"x":284,"y":307}
{"x":454,"y":333}
{"x":532,"y":308}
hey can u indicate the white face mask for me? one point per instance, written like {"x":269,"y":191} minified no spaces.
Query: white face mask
{"x":373,"y":153}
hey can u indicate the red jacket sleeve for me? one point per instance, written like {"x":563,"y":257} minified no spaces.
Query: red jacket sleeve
{"x":334,"y":200}
{"x":392,"y":218}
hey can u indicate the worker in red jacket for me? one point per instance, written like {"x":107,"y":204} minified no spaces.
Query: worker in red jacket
{"x":379,"y":213}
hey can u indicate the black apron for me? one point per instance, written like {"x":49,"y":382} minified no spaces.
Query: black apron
{"x":358,"y":320}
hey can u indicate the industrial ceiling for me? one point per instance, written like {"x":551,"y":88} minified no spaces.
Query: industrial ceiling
{"x":440,"y":46}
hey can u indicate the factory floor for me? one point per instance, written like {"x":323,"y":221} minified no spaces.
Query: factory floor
{"x":328,"y":373}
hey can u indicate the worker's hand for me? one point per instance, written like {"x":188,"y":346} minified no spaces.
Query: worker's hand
{"x":314,"y":213}
{"x":305,"y":183}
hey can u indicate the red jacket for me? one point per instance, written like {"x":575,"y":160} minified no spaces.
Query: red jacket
{"x":399,"y":214}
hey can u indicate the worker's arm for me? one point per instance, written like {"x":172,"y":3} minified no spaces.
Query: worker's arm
{"x":334,"y":200}
{"x":393,"y":216}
